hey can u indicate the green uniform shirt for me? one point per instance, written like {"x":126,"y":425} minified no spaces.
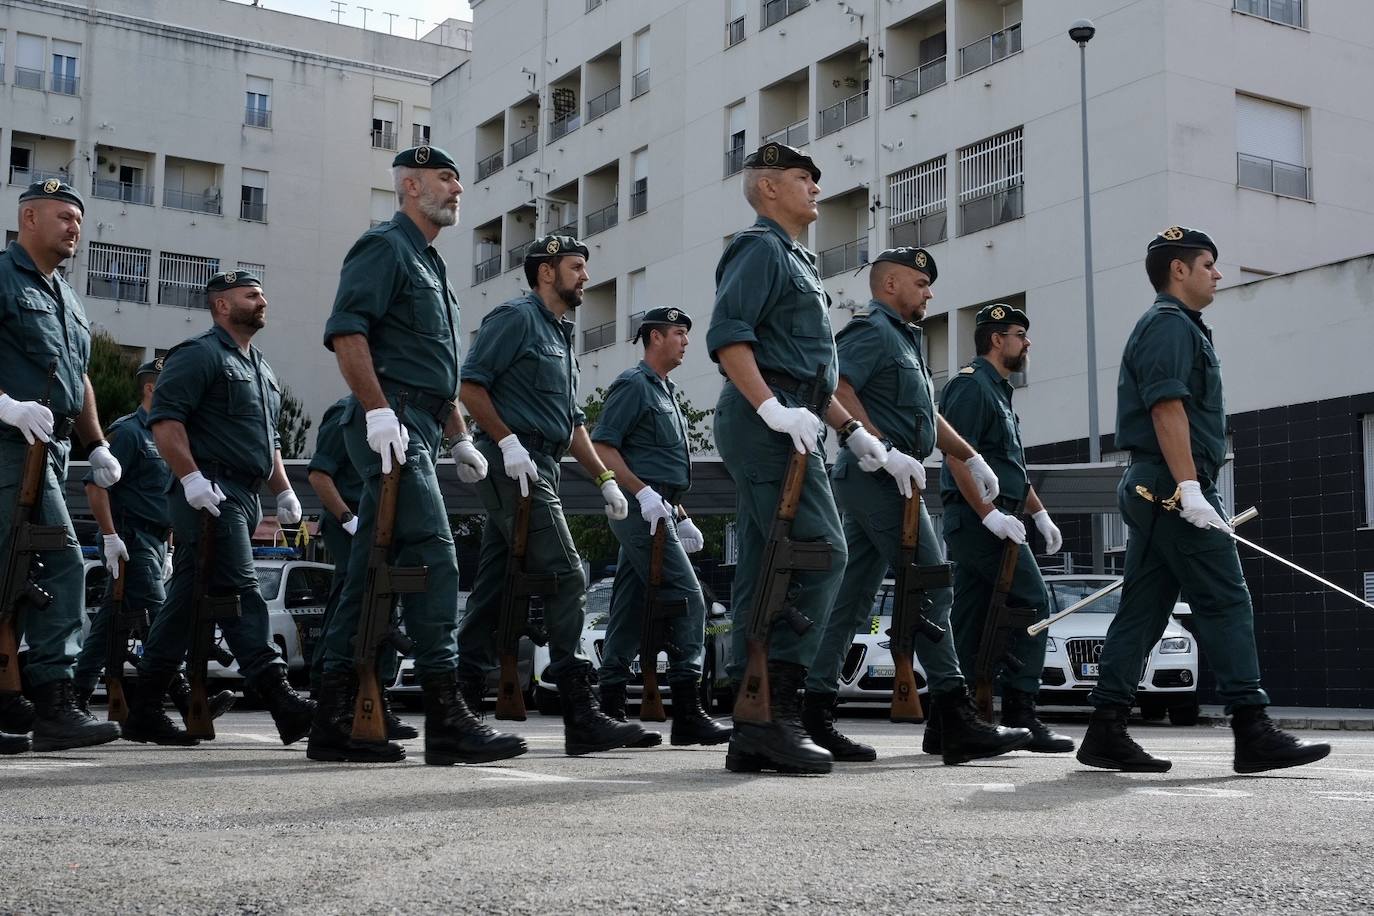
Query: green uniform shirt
{"x":880,"y":355}
{"x":769,"y":295}
{"x":393,"y":289}
{"x":523,"y":356}
{"x":1170,"y":355}
{"x":331,"y":457}
{"x":41,"y":322}
{"x":141,"y":492}
{"x":977,"y":404}
{"x":227,"y":399}
{"x":641,"y":419}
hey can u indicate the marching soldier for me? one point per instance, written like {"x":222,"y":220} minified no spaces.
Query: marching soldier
{"x":884,"y":381}
{"x":770,"y":334}
{"x":1171,"y":415}
{"x":520,"y":386}
{"x":214,"y":419}
{"x":641,"y":435}
{"x":134,"y":524}
{"x":395,"y":332}
{"x":45,"y":396}
{"x":338,"y":485}
{"x":977,"y":403}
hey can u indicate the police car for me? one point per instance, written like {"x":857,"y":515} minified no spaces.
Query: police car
{"x":867,"y":672}
{"x":406,"y":687}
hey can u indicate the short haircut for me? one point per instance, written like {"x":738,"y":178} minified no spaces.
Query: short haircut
{"x":878,"y":273}
{"x":1158,"y":261}
{"x":532,"y":269}
{"x":399,"y":173}
{"x":982,"y":336}
{"x":648,"y":329}
{"x":752,"y":194}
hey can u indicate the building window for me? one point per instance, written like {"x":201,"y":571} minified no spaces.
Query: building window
{"x":383,"y":205}
{"x":419,"y":128}
{"x":1367,"y":421}
{"x":991,"y":182}
{"x":640,"y":83}
{"x":181,"y":279}
{"x":385,"y":115}
{"x":734,"y":139}
{"x":2,"y":56}
{"x":28,"y":61}
{"x":639,"y":284}
{"x":990,"y":49}
{"x":592,"y":4}
{"x":66,"y":76}
{"x":734,"y":24}
{"x":916,"y":199}
{"x":253,"y":196}
{"x":1271,"y":148}
{"x":117,"y":272}
{"x":1288,"y":12}
{"x":775,"y":11}
{"x":257,"y":111}
{"x":639,"y":191}
{"x":257,"y":270}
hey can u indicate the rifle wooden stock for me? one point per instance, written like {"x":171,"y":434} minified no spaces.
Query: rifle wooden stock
{"x":117,"y":704}
{"x":651,"y":700}
{"x":369,"y":721}
{"x":906,"y":698}
{"x":987,"y":655}
{"x":515,"y":612}
{"x":208,"y":609}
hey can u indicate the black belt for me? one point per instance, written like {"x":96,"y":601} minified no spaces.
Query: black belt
{"x":671,"y":495}
{"x":801,"y":388}
{"x":1206,"y":476}
{"x":1005,"y":503}
{"x":534,"y":442}
{"x":137,"y":524}
{"x":438,"y":408}
{"x":62,"y":428}
{"x":217,"y":472}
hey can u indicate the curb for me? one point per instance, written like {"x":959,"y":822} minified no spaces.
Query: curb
{"x":1308,"y":723}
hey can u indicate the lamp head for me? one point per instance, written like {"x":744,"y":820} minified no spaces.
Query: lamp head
{"x":1082,"y":31}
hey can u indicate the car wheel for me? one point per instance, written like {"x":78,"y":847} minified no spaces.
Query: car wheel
{"x":547,"y":701}
{"x":1152,"y":710}
{"x":1184,"y":715}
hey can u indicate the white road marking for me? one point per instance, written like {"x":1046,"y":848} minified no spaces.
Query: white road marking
{"x":33,"y":763}
{"x":504,"y":775}
{"x":1347,"y":796}
{"x":265,"y":739}
{"x":1189,"y":791}
{"x":985,"y":786}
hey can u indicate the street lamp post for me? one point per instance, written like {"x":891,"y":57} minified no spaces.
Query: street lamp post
{"x":1082,"y":32}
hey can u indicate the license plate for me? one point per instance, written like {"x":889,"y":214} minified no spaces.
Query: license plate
{"x":1089,"y":669}
{"x":882,"y":671}
{"x":661,"y":667}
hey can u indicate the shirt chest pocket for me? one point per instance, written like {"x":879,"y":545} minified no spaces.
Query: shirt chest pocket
{"x":808,"y":307}
{"x":912,"y":388}
{"x":241,"y":392}
{"x":427,"y":310}
{"x":38,"y":320}
{"x":1210,"y":364}
{"x":551,"y":371}
{"x":664,"y":421}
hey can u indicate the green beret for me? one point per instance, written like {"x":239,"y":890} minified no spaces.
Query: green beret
{"x":1001,"y":313}
{"x":151,"y":367}
{"x":1179,"y":237}
{"x":659,"y":317}
{"x":915,"y":258}
{"x":53,"y":189}
{"x":781,"y":156}
{"x":230,"y":279}
{"x":554,"y":246}
{"x":425,"y":157}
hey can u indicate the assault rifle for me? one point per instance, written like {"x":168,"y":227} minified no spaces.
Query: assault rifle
{"x":653,"y":635}
{"x":1000,"y":626}
{"x":910,"y":602}
{"x":515,"y":622}
{"x":208,"y":609}
{"x":121,"y":624}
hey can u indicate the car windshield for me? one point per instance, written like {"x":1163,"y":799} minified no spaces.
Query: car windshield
{"x":269,"y":581}
{"x":1069,"y":591}
{"x":882,"y":607}
{"x":598,"y":606}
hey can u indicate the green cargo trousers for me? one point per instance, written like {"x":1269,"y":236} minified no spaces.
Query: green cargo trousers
{"x":339,"y":543}
{"x":1165,"y":556}
{"x":143,"y":589}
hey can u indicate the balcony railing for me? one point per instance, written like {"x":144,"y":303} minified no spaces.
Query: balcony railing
{"x":734,"y":32}
{"x":775,"y":11}
{"x":987,"y":51}
{"x":567,"y":229}
{"x":565,"y":124}
{"x":208,"y":201}
{"x":515,"y":256}
{"x":734,"y":160}
{"x":592,"y":4}
{"x":419,"y":135}
{"x":384,"y":139}
{"x":603,"y":335}
{"x":1283,"y":178}
{"x":603,"y":219}
{"x":124,"y":290}
{"x":633,"y":322}
{"x":127,"y":191}
{"x":848,"y":256}
{"x":254,"y":212}
{"x":257,"y":117}
{"x":483,"y":271}
{"x":920,"y":232}
{"x":916,"y":82}
{"x":1288,"y":12}
{"x":843,"y":113}
{"x":181,"y":295}
{"x":25,"y":177}
{"x":798,"y":134}
{"x":606,"y":101}
{"x":639,"y":202}
{"x":640,"y":84}
{"x":25,"y":78}
{"x":991,"y":209}
{"x":491,"y":165}
{"x":524,"y":146}
{"x":65,"y":85}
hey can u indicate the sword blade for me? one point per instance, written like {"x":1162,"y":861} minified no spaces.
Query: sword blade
{"x":1291,"y":565}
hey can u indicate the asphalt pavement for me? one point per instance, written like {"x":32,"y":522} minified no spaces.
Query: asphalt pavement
{"x":244,"y":825}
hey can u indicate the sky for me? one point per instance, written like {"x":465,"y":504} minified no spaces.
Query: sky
{"x":431,"y":11}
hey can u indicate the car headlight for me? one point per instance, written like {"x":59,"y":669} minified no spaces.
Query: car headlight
{"x":1050,"y":645}
{"x":1173,"y":645}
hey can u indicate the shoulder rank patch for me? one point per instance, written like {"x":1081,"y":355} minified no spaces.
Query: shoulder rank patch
{"x":967,"y":370}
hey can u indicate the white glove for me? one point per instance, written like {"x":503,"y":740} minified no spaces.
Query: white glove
{"x":105,"y":469}
{"x":909,"y":473}
{"x":519,"y":465}
{"x":1048,"y":530}
{"x":1007,"y":527}
{"x":653,"y":508}
{"x":288,"y":508}
{"x":114,"y":551}
{"x":690,"y":535}
{"x":387,"y":436}
{"x":1196,"y":510}
{"x":801,"y":424}
{"x":29,"y":417}
{"x":471,"y":466}
{"x":988,"y":487}
{"x":617,"y":506}
{"x":871,"y":453}
{"x":351,"y":526}
{"x":201,"y":493}
{"x":167,"y":565}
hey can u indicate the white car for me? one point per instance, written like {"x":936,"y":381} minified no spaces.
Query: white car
{"x":406,"y":686}
{"x":867,"y":672}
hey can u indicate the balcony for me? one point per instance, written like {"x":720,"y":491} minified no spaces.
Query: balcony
{"x":849,"y":256}
{"x":525,"y":146}
{"x":25,"y":78}
{"x":920,"y":232}
{"x":128,"y":191}
{"x":483,"y":271}
{"x":258,"y":117}
{"x":384,"y":139}
{"x":565,"y":124}
{"x":734,"y":32}
{"x":569,"y":229}
{"x":603,"y":219}
{"x":253,"y":212}
{"x":640,"y":84}
{"x":515,"y":256}
{"x":989,"y":210}
{"x":797,"y":134}
{"x":65,"y":85}
{"x":1284,"y":12}
{"x":639,"y":201}
{"x":775,"y":11}
{"x":25,"y":177}
{"x":595,"y":338}
{"x":987,"y":51}
{"x":1282,"y":178}
{"x":490,"y":165}
{"x":915,"y":82}
{"x":843,"y":113}
{"x":734,"y":160}
{"x":207,"y":201}
{"x":606,"y":101}
{"x":419,"y":135}
{"x":634,"y":321}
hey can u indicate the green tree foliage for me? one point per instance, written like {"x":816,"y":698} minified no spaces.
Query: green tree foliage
{"x":112,"y":372}
{"x":292,"y":425}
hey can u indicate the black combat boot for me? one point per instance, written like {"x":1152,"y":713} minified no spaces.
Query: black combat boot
{"x":453,"y":734}
{"x":691,"y":725}
{"x":930,"y":740}
{"x":147,"y":722}
{"x":781,"y":744}
{"x":82,"y":688}
{"x":179,"y":692}
{"x":613,"y":705}
{"x":13,"y":744}
{"x":60,"y":724}
{"x":1261,"y":745}
{"x":292,"y":713}
{"x":965,"y":737}
{"x":473,"y":687}
{"x":16,"y":714}
{"x":818,"y":718}
{"x":396,"y":729}
{"x":331,"y":732}
{"x":1018,"y":711}
{"x":1107,"y":744}
{"x":586,"y":729}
